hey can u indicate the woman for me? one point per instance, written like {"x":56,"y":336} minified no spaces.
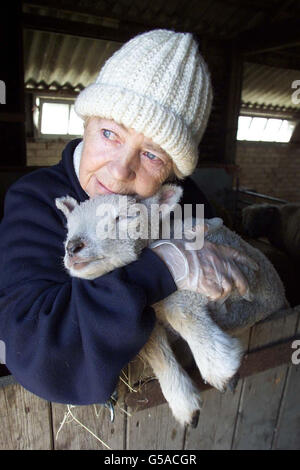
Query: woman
{"x":67,"y":338}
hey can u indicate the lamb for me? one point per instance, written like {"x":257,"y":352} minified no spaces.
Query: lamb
{"x":280,"y":224}
{"x":203,"y":324}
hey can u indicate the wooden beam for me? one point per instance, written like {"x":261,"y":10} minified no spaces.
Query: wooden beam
{"x":88,"y":7}
{"x":12,"y":117}
{"x":65,"y":93}
{"x":254,"y":362}
{"x":91,"y":7}
{"x":81,"y":29}
{"x":275,"y":36}
{"x":279,"y":59}
{"x":254,"y":5}
{"x":261,"y":110}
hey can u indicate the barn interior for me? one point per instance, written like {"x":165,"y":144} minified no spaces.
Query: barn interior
{"x":250,"y":152}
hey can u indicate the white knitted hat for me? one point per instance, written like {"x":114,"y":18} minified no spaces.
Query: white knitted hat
{"x":159,"y":85}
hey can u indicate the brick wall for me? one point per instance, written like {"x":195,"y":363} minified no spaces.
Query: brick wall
{"x":44,"y":153}
{"x":272,"y":169}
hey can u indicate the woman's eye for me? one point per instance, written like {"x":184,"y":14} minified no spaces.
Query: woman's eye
{"x":108,"y":134}
{"x":151,"y":156}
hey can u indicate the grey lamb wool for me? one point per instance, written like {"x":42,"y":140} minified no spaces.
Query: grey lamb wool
{"x":206,"y":326}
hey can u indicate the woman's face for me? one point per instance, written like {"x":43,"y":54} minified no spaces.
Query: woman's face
{"x":119,"y":160}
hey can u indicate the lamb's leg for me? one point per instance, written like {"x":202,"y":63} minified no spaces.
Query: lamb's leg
{"x":217,"y":354}
{"x":177,"y":387}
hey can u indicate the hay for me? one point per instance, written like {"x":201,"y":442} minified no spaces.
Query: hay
{"x":67,"y":420}
{"x":70,"y":418}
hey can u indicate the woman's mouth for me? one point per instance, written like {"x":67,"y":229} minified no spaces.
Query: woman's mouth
{"x":104,"y":188}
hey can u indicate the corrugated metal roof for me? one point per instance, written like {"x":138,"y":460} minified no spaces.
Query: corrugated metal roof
{"x":74,"y":62}
{"x":59,"y":60}
{"x":268,"y":86}
{"x":71,"y":62}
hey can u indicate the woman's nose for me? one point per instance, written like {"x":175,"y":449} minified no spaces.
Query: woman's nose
{"x":124,"y":167}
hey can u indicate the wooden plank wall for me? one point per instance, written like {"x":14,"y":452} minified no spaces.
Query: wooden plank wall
{"x":263,"y":413}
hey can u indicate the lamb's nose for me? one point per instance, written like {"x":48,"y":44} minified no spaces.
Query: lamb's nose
{"x":74,"y":246}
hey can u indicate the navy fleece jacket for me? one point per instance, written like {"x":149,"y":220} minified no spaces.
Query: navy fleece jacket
{"x":67,"y":339}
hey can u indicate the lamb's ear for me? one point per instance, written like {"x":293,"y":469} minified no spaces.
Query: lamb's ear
{"x":170,"y":194}
{"x":167,"y":197}
{"x":66,"y":204}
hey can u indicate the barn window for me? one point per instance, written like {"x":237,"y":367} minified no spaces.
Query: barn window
{"x":265,"y":129}
{"x":56,"y":118}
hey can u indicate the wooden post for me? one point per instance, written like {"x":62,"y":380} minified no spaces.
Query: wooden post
{"x":225,"y":64}
{"x":12,"y":112}
{"x":234,"y":102}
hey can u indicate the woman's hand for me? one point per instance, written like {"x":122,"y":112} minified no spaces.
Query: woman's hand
{"x":211,"y":271}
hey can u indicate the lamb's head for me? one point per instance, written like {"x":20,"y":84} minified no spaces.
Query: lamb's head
{"x":110,"y":231}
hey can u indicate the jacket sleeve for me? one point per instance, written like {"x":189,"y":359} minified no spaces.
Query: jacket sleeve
{"x":67,"y":339}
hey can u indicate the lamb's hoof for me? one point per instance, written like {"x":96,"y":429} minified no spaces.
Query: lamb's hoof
{"x":110,"y":405}
{"x":232,"y":384}
{"x":195,"y":419}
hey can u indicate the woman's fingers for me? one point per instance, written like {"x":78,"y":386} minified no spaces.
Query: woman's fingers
{"x":240,"y":282}
{"x":236,"y":255}
{"x":221,"y":274}
{"x":212,"y":271}
{"x":212,"y":290}
{"x":227,"y":288}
